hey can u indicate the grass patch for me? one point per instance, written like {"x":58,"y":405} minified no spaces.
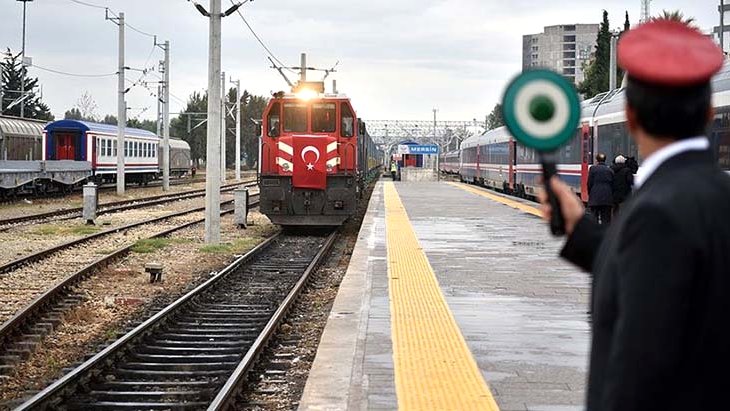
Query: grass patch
{"x":217,"y":249}
{"x":47,"y":230}
{"x":84,"y":229}
{"x":150,"y":245}
{"x":235,"y":247}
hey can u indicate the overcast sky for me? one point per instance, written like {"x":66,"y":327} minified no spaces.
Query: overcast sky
{"x":398,"y":58}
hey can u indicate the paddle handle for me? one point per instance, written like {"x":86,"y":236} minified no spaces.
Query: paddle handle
{"x":557,"y":222}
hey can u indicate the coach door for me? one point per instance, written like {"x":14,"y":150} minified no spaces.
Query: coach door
{"x":65,"y":148}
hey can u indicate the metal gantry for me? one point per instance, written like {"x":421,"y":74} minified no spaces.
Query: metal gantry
{"x":447,"y":134}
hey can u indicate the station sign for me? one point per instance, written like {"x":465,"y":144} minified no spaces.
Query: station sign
{"x":418,"y":149}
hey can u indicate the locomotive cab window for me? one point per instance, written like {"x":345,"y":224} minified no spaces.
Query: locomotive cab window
{"x":295,"y":118}
{"x":324,"y":117}
{"x":348,"y":121}
{"x":273,"y":123}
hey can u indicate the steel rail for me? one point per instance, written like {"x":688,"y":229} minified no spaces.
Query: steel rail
{"x":118,"y":345}
{"x":40,"y":304}
{"x":44,"y":399}
{"x":233,"y":385}
{"x":117,"y":205}
{"x":5,"y":268}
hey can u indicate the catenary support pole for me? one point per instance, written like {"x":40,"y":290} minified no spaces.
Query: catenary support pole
{"x":22,"y":67}
{"x":213,"y":150}
{"x":121,"y":110}
{"x":722,"y":25}
{"x":166,"y":122}
{"x":612,"y":64}
{"x":238,"y":129}
{"x":224,"y":97}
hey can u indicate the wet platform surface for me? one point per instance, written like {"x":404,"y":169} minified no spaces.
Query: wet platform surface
{"x":521,"y":310}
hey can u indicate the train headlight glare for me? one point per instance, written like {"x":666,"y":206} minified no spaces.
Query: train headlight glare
{"x":306,"y":94}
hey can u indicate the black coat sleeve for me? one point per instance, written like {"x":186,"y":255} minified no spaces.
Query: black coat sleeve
{"x":654,"y":288}
{"x":582,"y":246}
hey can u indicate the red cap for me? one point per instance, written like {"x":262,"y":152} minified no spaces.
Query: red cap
{"x":669,"y":53}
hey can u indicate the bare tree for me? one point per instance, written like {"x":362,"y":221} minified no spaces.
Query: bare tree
{"x":87,"y":106}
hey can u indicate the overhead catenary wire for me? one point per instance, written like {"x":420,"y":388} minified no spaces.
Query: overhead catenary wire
{"x":72,"y":74}
{"x":110,"y":11}
{"x":260,"y":41}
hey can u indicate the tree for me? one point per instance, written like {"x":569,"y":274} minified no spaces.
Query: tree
{"x":676,"y":16}
{"x":191,"y":127}
{"x":12,"y":74}
{"x":109,"y":119}
{"x":596,"y":78}
{"x":84,"y":110}
{"x":148,"y":125}
{"x":252,"y":110}
{"x":73,"y":114}
{"x":495,"y":118}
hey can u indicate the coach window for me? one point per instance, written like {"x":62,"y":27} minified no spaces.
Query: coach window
{"x":295,"y":118}
{"x":348,"y":121}
{"x":273,"y":123}
{"x":324,"y":117}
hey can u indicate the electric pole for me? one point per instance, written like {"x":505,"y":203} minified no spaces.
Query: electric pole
{"x":213,"y":149}
{"x":238,"y":129}
{"x":722,"y":26}
{"x":213,"y":152}
{"x":224,"y":97}
{"x":612,"y":63}
{"x":166,"y":120}
{"x":22,"y":65}
{"x":121,"y":106}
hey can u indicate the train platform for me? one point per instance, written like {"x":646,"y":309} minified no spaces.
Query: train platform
{"x":454,"y":299}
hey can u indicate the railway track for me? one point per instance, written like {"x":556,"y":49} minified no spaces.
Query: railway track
{"x":114,"y":207}
{"x":20,"y":334}
{"x":196,"y":352}
{"x":15,"y":198}
{"x":37,"y":256}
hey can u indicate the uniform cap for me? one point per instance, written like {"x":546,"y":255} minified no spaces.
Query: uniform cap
{"x":669,"y":53}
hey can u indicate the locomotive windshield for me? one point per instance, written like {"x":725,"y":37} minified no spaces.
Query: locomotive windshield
{"x":324,"y":117}
{"x":295,"y":117}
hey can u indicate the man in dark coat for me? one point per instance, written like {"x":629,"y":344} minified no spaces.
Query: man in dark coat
{"x":661,"y":272}
{"x":623,"y":180}
{"x":600,"y":190}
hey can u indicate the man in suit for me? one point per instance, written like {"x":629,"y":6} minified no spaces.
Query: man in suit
{"x":661,"y":271}
{"x":600,"y":190}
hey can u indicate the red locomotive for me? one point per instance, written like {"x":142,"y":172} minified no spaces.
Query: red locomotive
{"x":316,"y":157}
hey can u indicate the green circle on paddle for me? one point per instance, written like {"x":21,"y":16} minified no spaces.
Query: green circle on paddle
{"x":542,"y":108}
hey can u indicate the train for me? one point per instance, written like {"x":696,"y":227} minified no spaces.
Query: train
{"x":39,"y":157}
{"x":496,"y":160}
{"x":316,"y":158}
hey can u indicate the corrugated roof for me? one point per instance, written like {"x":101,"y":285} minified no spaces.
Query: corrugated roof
{"x":18,"y":127}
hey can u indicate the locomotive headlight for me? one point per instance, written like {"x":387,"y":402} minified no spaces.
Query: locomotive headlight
{"x":329,"y":167}
{"x":306,"y":94}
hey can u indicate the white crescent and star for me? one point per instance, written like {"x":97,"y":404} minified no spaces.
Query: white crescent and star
{"x":314,"y":150}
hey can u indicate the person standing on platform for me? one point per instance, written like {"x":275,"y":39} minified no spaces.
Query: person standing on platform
{"x":393,"y":169}
{"x":661,"y":272}
{"x":600,"y":190}
{"x":623,"y":180}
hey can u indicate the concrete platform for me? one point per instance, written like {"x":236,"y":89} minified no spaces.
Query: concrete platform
{"x":521,"y":310}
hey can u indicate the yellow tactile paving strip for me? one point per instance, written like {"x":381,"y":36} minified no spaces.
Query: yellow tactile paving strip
{"x":434,"y":369}
{"x":500,"y":199}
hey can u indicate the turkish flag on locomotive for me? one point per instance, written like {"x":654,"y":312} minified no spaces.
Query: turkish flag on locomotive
{"x":310,"y":162}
